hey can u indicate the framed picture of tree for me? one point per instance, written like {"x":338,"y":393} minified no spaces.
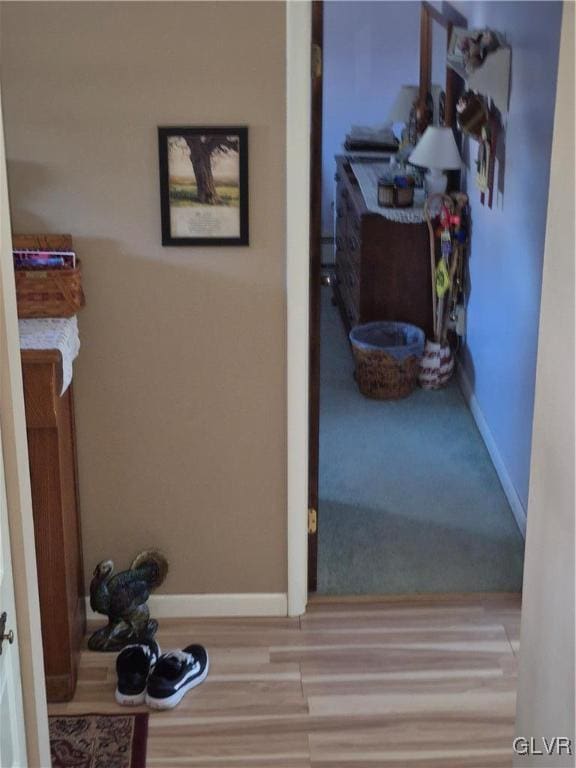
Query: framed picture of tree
{"x":204,"y":185}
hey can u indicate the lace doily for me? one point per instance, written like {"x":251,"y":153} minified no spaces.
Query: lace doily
{"x":368,"y":175}
{"x":53,"y":333}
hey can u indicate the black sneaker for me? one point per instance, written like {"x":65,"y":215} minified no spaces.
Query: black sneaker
{"x":176,"y":673}
{"x":133,"y":666}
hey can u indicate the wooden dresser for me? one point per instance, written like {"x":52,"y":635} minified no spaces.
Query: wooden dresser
{"x":53,"y":474}
{"x":382,"y":266}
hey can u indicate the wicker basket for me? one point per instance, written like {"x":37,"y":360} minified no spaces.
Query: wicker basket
{"x":392,"y":196}
{"x":387,"y":373}
{"x":382,"y":377}
{"x":48,"y":292}
{"x":403,"y":197}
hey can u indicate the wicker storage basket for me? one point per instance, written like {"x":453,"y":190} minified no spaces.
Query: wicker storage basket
{"x":387,"y":358}
{"x":48,"y":292}
{"x":391,"y":196}
{"x":403,"y":197}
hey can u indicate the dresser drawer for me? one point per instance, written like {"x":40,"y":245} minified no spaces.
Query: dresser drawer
{"x":341,"y":245}
{"x":354,"y":249}
{"x":352,"y":285}
{"x":341,"y":251}
{"x":341,"y":210}
{"x":350,"y":307}
{"x":354,"y":222}
{"x":348,"y":285}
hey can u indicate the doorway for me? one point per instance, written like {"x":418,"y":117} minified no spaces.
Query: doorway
{"x":430,"y":508}
{"x":537,"y":589}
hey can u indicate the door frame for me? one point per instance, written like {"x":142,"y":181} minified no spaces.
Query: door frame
{"x":538,"y":608}
{"x":298,"y":124}
{"x":298,"y":115}
{"x":315,"y":270}
{"x":19,"y":499}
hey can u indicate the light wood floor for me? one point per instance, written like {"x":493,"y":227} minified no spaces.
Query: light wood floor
{"x":398,"y":683}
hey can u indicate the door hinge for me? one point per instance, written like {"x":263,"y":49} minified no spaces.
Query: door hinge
{"x":9,"y":636}
{"x":316,"y":60}
{"x":312,"y":521}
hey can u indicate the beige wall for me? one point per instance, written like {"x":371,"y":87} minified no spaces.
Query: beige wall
{"x":180,"y":384}
{"x":546,"y":686}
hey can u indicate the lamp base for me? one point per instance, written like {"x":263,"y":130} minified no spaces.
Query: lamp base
{"x":435,"y":182}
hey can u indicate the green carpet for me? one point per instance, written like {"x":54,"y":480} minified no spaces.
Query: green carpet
{"x":409,"y":498}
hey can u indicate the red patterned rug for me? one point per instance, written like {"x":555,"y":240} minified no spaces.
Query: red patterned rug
{"x":98,"y":741}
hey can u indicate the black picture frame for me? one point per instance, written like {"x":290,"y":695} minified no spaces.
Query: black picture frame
{"x":187,"y":219}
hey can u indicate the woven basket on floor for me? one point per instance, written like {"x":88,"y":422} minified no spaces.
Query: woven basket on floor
{"x":387,"y":355}
{"x":381,"y":376}
{"x":48,"y":292}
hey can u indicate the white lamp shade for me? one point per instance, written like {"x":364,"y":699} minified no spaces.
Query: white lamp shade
{"x":403,"y":103}
{"x":436,"y":149}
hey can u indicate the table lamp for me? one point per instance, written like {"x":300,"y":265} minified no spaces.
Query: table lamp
{"x":438,"y":152}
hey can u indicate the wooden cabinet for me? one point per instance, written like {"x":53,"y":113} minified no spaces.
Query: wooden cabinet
{"x":382,"y":266}
{"x":53,"y":474}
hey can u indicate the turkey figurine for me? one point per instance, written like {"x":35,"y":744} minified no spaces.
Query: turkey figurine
{"x":123,"y":598}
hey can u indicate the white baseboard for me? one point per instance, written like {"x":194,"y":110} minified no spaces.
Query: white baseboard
{"x":205,"y":606}
{"x":508,"y":486}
